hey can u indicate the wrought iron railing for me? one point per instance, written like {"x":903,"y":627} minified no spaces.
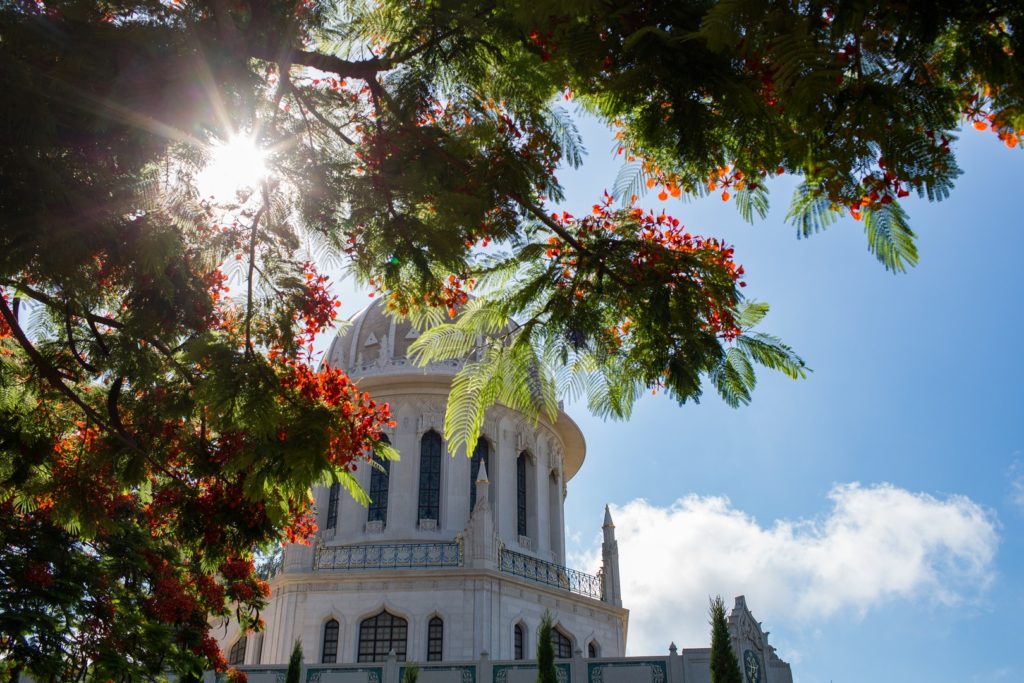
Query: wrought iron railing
{"x":343,"y":558}
{"x":551,"y":574}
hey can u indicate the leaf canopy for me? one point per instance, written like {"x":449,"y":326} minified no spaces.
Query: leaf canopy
{"x":162,"y":414}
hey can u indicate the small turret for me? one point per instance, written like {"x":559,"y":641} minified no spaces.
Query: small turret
{"x":480,"y":538}
{"x":610,"y":561}
{"x":483,"y":489}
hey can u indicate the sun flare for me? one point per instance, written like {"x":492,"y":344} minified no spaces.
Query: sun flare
{"x":236,"y":165}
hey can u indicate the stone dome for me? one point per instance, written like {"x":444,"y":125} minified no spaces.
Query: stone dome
{"x":373,"y":350}
{"x":374,"y":343}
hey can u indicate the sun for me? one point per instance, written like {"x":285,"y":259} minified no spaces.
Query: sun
{"x":237,"y":165}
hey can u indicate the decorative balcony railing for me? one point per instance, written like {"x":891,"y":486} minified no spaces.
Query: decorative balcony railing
{"x":344,"y":558}
{"x":551,"y":574}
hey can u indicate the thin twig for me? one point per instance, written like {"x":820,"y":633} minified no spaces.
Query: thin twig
{"x":252,"y":269}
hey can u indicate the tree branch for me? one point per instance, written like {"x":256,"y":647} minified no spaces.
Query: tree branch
{"x":53,"y":376}
{"x":364,"y":70}
{"x":252,"y":269}
{"x":70,"y":330}
{"x":320,"y":117}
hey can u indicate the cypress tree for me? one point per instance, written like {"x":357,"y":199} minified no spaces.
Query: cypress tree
{"x":294,"y":664}
{"x":546,"y":672}
{"x":725,"y":668}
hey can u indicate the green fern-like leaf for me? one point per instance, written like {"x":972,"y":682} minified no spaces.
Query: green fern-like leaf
{"x":890,"y":238}
{"x":352,"y":487}
{"x":769,"y":351}
{"x":567,"y":135}
{"x":629,"y":182}
{"x":474,"y":389}
{"x":751,"y":201}
{"x":810,"y":211}
{"x":750,"y":314}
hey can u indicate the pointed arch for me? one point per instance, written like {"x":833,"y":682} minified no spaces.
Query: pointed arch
{"x":561,"y":642}
{"x":519,"y":647}
{"x":236,"y":655}
{"x":555,"y":514}
{"x":380,"y":476}
{"x":429,"y":501}
{"x":380,"y":634}
{"x":332,"y":506}
{"x":435,"y":639}
{"x":593,"y":650}
{"x":329,"y":641}
{"x":523,"y":467}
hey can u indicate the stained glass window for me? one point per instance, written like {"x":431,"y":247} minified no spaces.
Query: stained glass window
{"x":378,"y":509}
{"x":330,"y":652}
{"x":332,"y":506}
{"x":561,"y":643}
{"x":236,"y":657}
{"x":435,"y":639}
{"x":379,"y":635}
{"x":521,"y":494}
{"x":430,"y":476}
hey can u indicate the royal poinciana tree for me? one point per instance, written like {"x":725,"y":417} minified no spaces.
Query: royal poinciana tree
{"x":161,"y":417}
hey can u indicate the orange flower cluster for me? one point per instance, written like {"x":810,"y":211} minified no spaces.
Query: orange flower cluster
{"x":978,"y":112}
{"x":653,"y":239}
{"x":987,"y":120}
{"x":318,"y":308}
{"x":879,"y":190}
{"x":5,"y":330}
{"x":360,"y":418}
{"x":544,"y":42}
{"x":452,"y":294}
{"x":723,"y":178}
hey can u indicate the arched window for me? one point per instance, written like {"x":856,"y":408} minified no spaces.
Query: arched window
{"x":236,"y":656}
{"x":430,"y":476}
{"x":518,"y":641}
{"x":593,"y":651}
{"x":435,"y":639}
{"x":561,"y":644}
{"x":330,"y":649}
{"x":332,"y":506}
{"x":480,"y":455}
{"x":521,"y":494}
{"x":380,"y":634}
{"x":380,"y":471}
{"x":554,"y":514}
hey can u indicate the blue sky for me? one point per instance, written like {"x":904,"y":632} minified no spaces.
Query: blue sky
{"x":873,"y":513}
{"x":916,"y":384}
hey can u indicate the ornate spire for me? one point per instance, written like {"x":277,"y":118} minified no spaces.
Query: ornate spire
{"x":610,"y":561}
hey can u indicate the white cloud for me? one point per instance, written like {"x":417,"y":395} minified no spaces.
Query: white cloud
{"x":876,"y":544}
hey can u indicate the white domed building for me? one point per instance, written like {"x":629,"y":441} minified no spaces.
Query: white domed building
{"x":456,"y":559}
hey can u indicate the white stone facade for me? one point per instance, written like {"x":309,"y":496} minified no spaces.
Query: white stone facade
{"x":474,"y":570}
